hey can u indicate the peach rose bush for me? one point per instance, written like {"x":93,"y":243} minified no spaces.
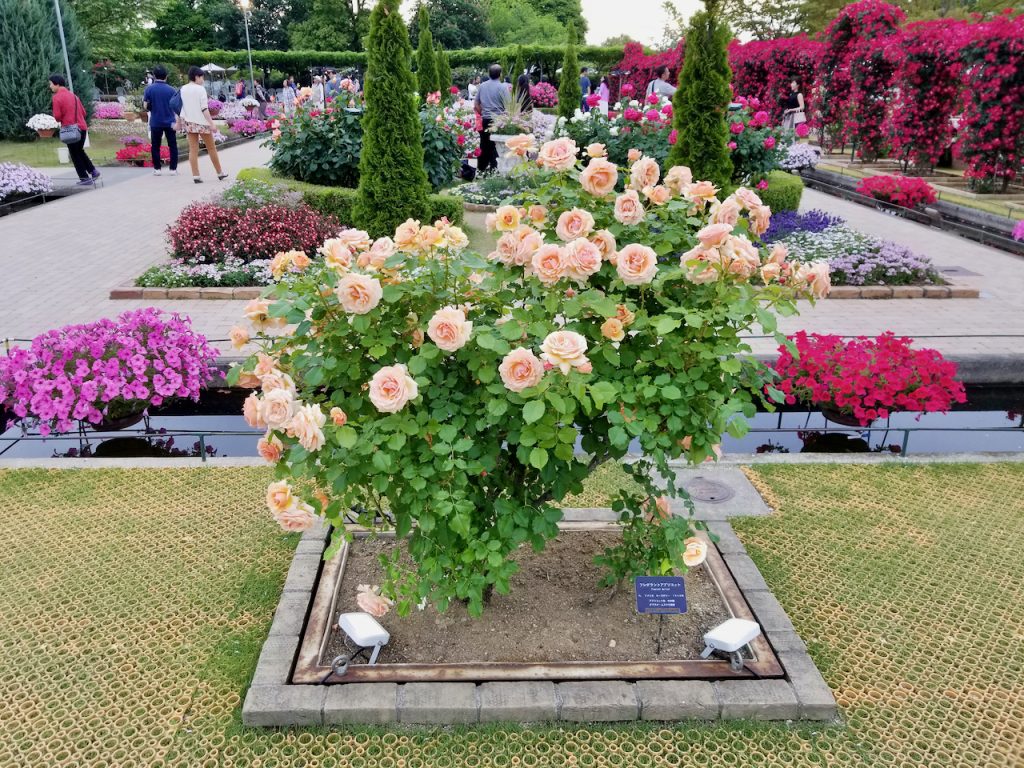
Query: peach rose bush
{"x":457,"y":398}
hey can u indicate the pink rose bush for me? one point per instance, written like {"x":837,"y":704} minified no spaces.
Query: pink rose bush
{"x":457,"y":398}
{"x":103,"y":370}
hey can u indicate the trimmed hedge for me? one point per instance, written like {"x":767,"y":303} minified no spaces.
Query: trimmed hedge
{"x":338,"y":201}
{"x":784,"y":191}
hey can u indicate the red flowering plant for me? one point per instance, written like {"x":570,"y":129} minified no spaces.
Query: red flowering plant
{"x":763,"y":69}
{"x":640,"y":68}
{"x":927,"y":86}
{"x":904,"y":191}
{"x":992,"y":126}
{"x":141,"y":155}
{"x":866,"y":378}
{"x":208,"y":233}
{"x":544,"y":95}
{"x":757,"y":147}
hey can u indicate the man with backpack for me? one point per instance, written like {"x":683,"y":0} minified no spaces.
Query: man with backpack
{"x":162,"y":118}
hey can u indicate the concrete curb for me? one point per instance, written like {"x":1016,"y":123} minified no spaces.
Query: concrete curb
{"x":134,"y":292}
{"x":272,"y":701}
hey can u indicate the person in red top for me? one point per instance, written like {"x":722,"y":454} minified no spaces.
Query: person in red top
{"x":68,"y":110}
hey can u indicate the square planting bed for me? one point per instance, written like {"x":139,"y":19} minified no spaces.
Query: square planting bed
{"x":556,"y":648}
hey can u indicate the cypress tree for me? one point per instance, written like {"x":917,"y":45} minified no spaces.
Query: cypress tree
{"x":444,"y":70}
{"x":702,"y":99}
{"x":426,"y":61}
{"x":30,"y":54}
{"x":570,"y":95}
{"x":517,"y":65}
{"x":392,"y":181}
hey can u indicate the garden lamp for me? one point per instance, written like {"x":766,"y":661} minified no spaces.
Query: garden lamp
{"x":363,"y":631}
{"x":246,"y":5}
{"x":728,"y":638}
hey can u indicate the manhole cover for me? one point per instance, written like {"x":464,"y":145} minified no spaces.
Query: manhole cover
{"x":709,"y":491}
{"x":958,"y":271}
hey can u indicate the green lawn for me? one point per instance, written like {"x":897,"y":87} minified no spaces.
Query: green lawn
{"x":42,"y":153}
{"x":135,"y":602}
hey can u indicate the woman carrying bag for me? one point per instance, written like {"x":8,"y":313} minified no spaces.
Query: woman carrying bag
{"x":69,"y":112}
{"x":794,"y":113}
{"x":195,"y":117}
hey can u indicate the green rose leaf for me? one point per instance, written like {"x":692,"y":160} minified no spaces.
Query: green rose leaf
{"x":538,"y":458}
{"x":533,"y":411}
{"x":347,"y":437}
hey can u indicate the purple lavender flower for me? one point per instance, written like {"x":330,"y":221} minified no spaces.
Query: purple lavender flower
{"x":785,"y":223}
{"x":892,"y":264}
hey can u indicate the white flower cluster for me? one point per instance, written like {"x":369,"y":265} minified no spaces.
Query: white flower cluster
{"x":42,"y":123}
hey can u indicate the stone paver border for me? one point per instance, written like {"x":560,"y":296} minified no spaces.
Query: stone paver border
{"x":134,"y":292}
{"x":272,"y":701}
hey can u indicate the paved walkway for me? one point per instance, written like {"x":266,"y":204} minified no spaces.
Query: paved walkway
{"x":60,"y":261}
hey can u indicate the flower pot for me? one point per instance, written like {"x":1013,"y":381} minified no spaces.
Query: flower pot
{"x":144,"y":116}
{"x":505,"y":164}
{"x":130,"y":115}
{"x":45,"y":133}
{"x":119,"y":422}
{"x":832,"y":413}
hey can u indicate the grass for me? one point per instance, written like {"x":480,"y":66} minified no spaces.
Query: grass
{"x":135,"y":602}
{"x":42,"y":153}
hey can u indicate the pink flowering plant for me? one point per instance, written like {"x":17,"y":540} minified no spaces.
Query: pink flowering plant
{"x":103,"y":370}
{"x":757,"y":147}
{"x":633,"y":125}
{"x":458,"y":398}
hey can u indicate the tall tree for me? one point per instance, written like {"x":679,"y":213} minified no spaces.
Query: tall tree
{"x":767,"y":19}
{"x":426,"y":61}
{"x":702,"y":100}
{"x":566,"y":11}
{"x":30,"y":54}
{"x":392,"y":183}
{"x":332,"y":25}
{"x":570,"y":95}
{"x":455,"y":23}
{"x":517,"y":21}
{"x":444,"y":69}
{"x":181,"y":27}
{"x":113,"y":24}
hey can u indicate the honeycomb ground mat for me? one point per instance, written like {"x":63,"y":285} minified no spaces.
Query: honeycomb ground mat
{"x":135,"y":602}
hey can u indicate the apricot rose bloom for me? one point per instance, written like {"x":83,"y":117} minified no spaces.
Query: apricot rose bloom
{"x":338,"y":417}
{"x":520,"y":369}
{"x":644,"y":173}
{"x":726,"y":212}
{"x":279,"y":496}
{"x":354,"y":239}
{"x":636,"y":264}
{"x":696,"y":552}
{"x":678,"y":178}
{"x":633,"y":155}
{"x":382,"y":249}
{"x":405,"y":235}
{"x":307,"y":427}
{"x":599,"y":177}
{"x":658,"y":195}
{"x":521,"y":145}
{"x":371,"y":601}
{"x":239,"y":336}
{"x":537,"y":214}
{"x":256,"y":312}
{"x":612,"y":329}
{"x":253,"y":412}
{"x":277,"y":408}
{"x":596,"y":150}
{"x":816,"y":277}
{"x":270,"y":448}
{"x":714,"y":235}
{"x":582,"y":259}
{"x":276,"y":379}
{"x":297,"y":517}
{"x":449,"y":329}
{"x":605,"y":242}
{"x":700,"y":192}
{"x":623,"y":315}
{"x":558,"y":154}
{"x":549,"y":263}
{"x":336,"y":255}
{"x":359,"y":294}
{"x":565,"y":350}
{"x":391,"y":388}
{"x":628,"y":208}
{"x":506,"y":218}
{"x":573,"y":224}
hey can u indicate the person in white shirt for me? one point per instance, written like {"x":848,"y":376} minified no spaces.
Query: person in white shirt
{"x":195,"y":115}
{"x":317,"y":99}
{"x":660,"y":84}
{"x":474,"y":86}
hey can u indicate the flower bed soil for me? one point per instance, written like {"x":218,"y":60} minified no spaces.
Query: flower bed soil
{"x":555,"y":612}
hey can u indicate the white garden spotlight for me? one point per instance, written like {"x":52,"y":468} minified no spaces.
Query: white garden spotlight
{"x":728,"y":638}
{"x":364,"y":632}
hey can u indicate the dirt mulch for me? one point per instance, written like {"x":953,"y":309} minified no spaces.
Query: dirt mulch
{"x":555,"y":612}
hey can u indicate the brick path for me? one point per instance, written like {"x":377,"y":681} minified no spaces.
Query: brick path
{"x":60,"y":261}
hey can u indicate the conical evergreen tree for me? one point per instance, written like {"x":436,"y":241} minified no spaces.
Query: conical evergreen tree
{"x":570,"y":95}
{"x":702,"y":99}
{"x":426,"y":60}
{"x":392,"y":181}
{"x":517,"y":65}
{"x":444,"y":70}
{"x":30,"y":53}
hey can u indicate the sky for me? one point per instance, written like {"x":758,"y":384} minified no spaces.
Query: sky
{"x":643,"y":20}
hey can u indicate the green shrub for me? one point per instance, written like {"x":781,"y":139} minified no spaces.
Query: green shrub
{"x":784,"y":191}
{"x":426,"y":60}
{"x":392,"y":182}
{"x":339,"y":201}
{"x":702,"y":100}
{"x":570,"y":95}
{"x":444,"y":71}
{"x":321,"y":150}
{"x":441,"y":151}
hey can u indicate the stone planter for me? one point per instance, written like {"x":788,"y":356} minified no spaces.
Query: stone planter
{"x":505,"y":164}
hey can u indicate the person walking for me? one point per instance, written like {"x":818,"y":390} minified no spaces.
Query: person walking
{"x":157,"y":101}
{"x":584,"y":89}
{"x":524,"y":95}
{"x":605,"y":94}
{"x":195,"y":115}
{"x":240,"y":90}
{"x":288,"y":99}
{"x":316,"y":101}
{"x":490,"y":102}
{"x":473,"y":87}
{"x":69,"y":111}
{"x":261,"y":97}
{"x":660,"y":84}
{"x":794,"y":113}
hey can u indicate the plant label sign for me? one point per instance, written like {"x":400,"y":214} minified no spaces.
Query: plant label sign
{"x":660,"y":594}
